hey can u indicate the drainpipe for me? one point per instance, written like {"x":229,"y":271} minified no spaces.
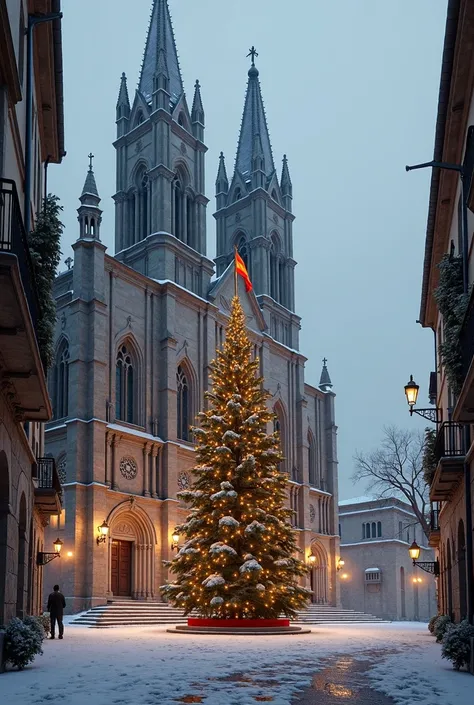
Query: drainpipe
{"x":33,"y":20}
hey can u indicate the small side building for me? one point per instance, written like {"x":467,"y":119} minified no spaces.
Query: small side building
{"x":378,"y":576}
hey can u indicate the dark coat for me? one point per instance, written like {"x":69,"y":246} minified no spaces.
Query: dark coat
{"x":56,"y":604}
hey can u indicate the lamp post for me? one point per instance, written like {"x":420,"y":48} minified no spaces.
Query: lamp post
{"x":427,"y":566}
{"x":103,"y":530}
{"x":42,"y":557}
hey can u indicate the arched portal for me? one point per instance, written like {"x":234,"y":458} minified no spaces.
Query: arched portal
{"x":22,"y":559}
{"x":131,"y":558}
{"x":462,"y":570}
{"x":319,"y":574}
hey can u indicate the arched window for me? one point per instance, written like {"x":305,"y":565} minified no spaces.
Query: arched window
{"x":363,"y":530}
{"x":237,"y":194}
{"x":279,"y":427}
{"x":312,"y":466}
{"x":177,"y":210}
{"x":140,"y":118}
{"x":183,"y":404}
{"x":125,"y":387}
{"x":182,"y":120}
{"x":141,"y":183}
{"x":274,"y":195}
{"x":243,"y":250}
{"x":61,"y":381}
{"x":379,"y":529}
{"x":374,"y":530}
{"x":274,"y":269}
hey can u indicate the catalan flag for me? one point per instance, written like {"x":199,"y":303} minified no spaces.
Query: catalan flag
{"x":241,"y":269}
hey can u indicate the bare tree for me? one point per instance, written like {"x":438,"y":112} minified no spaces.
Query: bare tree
{"x":396,"y":469}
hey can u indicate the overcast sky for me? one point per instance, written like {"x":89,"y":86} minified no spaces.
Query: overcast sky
{"x":350,"y":90}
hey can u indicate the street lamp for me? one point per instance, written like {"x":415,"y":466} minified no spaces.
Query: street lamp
{"x":103,"y":530}
{"x":340,"y":564}
{"x":42,"y":557}
{"x":411,"y":393}
{"x":311,"y":559}
{"x":427,"y":566}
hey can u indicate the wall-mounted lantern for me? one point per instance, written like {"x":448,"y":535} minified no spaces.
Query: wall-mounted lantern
{"x":43,"y":558}
{"x":427,"y":566}
{"x":340,"y":564}
{"x":103,"y":530}
{"x":174,"y":541}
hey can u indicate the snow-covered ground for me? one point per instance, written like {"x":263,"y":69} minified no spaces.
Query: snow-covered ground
{"x":148,"y":666}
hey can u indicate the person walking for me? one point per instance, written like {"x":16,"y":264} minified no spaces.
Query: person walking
{"x":56,"y":605}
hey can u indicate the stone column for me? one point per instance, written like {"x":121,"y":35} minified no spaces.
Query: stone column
{"x":136,"y":225}
{"x":154,"y":470}
{"x":146,"y":470}
{"x":113,"y":460}
{"x":185,"y":219}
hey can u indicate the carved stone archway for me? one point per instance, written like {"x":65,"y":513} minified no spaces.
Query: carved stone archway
{"x":130,"y":522}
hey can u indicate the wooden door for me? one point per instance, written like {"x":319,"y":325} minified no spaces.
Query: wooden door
{"x":121,"y":568}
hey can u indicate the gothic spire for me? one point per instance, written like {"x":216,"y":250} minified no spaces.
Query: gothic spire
{"x":285,"y":182}
{"x":89,"y":213}
{"x":123,"y":99}
{"x":253,"y":130}
{"x":197,"y":100}
{"x":90,"y":195}
{"x":222,"y":183}
{"x":160,"y":54}
{"x":325,"y":381}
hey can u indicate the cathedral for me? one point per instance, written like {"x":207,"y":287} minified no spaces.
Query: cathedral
{"x":137,"y":330}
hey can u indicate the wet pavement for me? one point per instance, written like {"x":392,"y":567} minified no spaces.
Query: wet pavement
{"x":333,"y":680}
{"x":344,"y":678}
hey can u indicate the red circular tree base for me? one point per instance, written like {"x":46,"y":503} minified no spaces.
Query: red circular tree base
{"x":237,"y":623}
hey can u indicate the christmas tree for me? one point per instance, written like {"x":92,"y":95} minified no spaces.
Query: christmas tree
{"x":238,"y":557}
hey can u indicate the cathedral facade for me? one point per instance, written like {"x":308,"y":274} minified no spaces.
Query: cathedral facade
{"x":136,"y":333}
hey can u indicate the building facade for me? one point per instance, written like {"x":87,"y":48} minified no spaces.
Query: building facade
{"x":449,"y":239}
{"x":137,"y":331}
{"x":378,"y":576}
{"x":29,"y":489}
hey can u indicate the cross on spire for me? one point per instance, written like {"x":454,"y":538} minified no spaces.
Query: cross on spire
{"x":253,"y":53}
{"x":91,"y":157}
{"x":68,"y":262}
{"x":324,"y":361}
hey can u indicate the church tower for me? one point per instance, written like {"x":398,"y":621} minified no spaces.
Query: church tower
{"x":254,"y":214}
{"x":160,"y":224}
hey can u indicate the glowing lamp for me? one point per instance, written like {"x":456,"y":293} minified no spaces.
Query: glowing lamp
{"x":57,"y":545}
{"x":103,"y":530}
{"x":175,"y":540}
{"x":411,"y":392}
{"x":340,"y":564}
{"x":312,"y":558}
{"x":414,"y":551}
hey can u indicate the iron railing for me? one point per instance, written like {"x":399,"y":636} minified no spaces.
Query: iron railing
{"x":47,"y":475}
{"x":449,"y":441}
{"x":13,"y":240}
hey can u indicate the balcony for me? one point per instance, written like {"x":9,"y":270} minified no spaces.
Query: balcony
{"x":47,"y":487}
{"x":435,"y":534}
{"x":449,"y":452}
{"x":23,"y":377}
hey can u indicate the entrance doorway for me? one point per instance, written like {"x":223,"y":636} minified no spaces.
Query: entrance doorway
{"x":121,"y":568}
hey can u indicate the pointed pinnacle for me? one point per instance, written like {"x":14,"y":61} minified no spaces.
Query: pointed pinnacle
{"x":123,"y":92}
{"x":197,"y":100}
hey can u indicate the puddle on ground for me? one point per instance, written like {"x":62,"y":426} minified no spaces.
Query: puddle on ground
{"x":342,"y":678}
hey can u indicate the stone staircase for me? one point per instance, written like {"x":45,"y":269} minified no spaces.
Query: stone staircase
{"x":121,"y":613}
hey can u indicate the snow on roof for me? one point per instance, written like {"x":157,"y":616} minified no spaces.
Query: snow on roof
{"x":372,"y":570}
{"x":355,"y":500}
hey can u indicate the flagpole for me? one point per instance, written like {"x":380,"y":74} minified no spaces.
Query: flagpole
{"x":235,"y":271}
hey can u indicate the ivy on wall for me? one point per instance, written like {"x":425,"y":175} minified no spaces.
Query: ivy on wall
{"x":429,"y":456}
{"x":44,"y":245}
{"x":452,"y":303}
